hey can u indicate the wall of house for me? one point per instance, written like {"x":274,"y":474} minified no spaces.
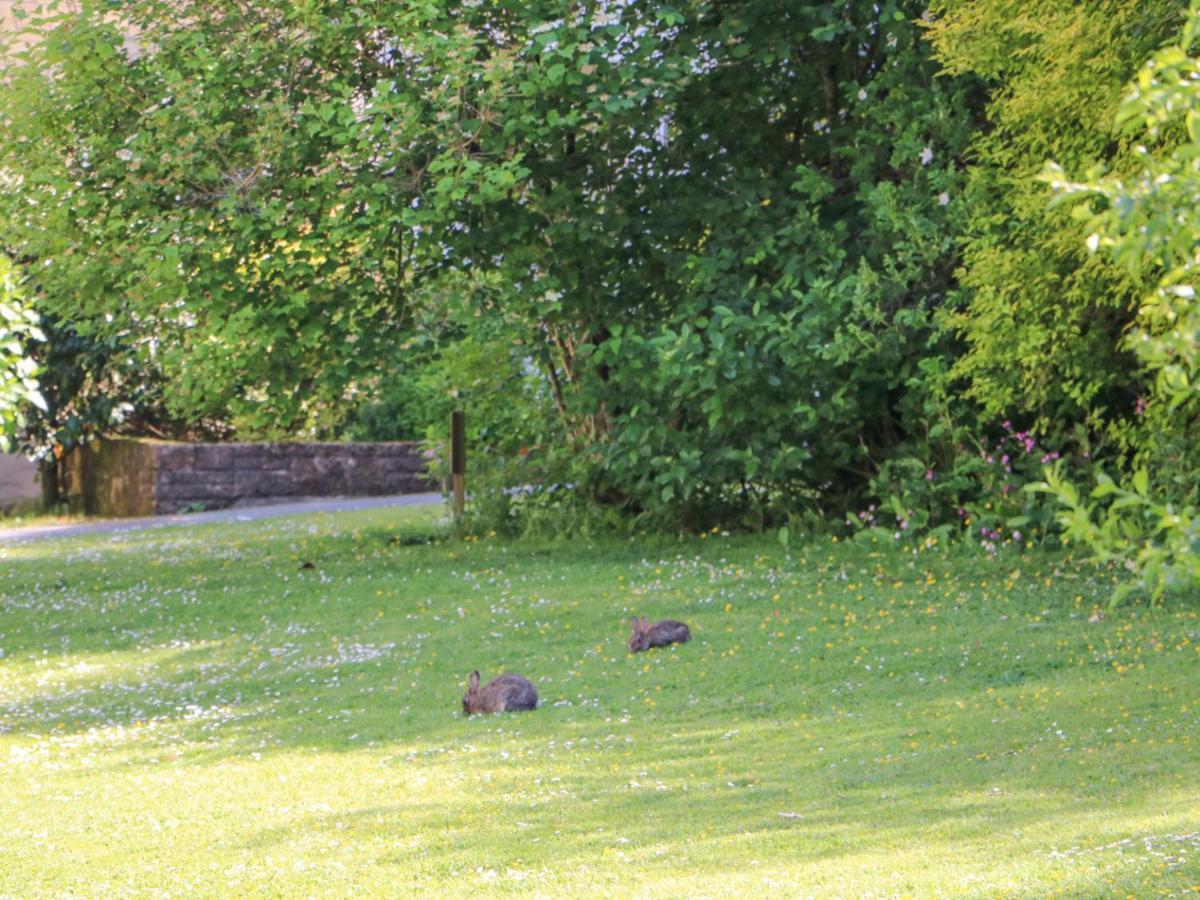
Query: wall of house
{"x":15,"y":26}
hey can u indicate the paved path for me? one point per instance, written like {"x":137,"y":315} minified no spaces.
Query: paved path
{"x":244,"y":514}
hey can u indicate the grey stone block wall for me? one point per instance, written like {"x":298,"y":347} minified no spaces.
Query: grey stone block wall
{"x":128,"y":477}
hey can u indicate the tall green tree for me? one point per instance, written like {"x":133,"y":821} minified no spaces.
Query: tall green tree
{"x":721,"y":229}
{"x":1042,"y":320}
{"x":1148,"y":224}
{"x":243,"y":202}
{"x":747,"y":216}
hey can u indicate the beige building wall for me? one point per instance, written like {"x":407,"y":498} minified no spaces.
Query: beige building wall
{"x":10,"y":24}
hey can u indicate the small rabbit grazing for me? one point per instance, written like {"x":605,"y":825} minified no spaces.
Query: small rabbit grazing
{"x":505,"y":693}
{"x":659,"y":634}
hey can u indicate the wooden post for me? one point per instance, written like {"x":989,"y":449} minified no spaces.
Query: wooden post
{"x":458,"y":461}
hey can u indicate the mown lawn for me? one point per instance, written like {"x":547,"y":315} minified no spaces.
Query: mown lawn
{"x":198,"y":712}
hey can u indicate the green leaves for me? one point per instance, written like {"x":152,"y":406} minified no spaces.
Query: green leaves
{"x":18,"y":371}
{"x":250,"y":207}
{"x":713,"y":238}
{"x":1042,"y":321}
{"x":1149,"y":224}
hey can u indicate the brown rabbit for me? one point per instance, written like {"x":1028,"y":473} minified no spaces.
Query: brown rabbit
{"x":505,"y":693}
{"x":659,"y":634}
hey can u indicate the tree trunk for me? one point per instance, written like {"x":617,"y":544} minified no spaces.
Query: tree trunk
{"x":51,"y":483}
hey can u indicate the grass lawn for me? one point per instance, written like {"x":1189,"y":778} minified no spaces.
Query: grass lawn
{"x":24,"y":515}
{"x":195,"y":711}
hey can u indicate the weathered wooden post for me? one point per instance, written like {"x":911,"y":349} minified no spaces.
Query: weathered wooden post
{"x":458,"y":461}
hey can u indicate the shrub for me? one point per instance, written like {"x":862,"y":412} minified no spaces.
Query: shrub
{"x":1150,"y":224}
{"x":18,"y":371}
{"x":977,"y":492}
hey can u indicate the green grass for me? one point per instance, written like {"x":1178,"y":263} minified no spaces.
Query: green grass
{"x":189,"y":711}
{"x":30,"y":513}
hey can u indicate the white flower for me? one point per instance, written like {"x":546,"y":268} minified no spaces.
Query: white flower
{"x":926,"y":156}
{"x":662,"y":132}
{"x":943,"y":198}
{"x":862,"y":93}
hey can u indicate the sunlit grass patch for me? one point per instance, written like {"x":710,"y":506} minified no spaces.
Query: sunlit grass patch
{"x":273,"y":707}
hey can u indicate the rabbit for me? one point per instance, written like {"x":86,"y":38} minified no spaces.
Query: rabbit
{"x":659,"y":634}
{"x":505,"y":693}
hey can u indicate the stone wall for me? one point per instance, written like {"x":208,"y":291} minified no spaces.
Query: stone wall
{"x":126,"y":477}
{"x":112,"y":478}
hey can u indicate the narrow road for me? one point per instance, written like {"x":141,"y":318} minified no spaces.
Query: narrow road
{"x":244,"y":514}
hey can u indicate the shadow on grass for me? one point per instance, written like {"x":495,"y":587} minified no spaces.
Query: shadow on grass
{"x":503,"y":822}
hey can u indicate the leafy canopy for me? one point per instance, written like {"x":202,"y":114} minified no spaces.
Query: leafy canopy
{"x":1041,"y":319}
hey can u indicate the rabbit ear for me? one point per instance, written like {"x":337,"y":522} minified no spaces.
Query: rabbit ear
{"x":474,"y":680}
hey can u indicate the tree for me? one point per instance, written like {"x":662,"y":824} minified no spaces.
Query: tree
{"x":737,"y":222}
{"x":1042,"y":320}
{"x":720,"y":228}
{"x":244,"y":203}
{"x":1148,"y":223}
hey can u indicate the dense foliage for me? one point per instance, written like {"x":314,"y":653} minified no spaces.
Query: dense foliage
{"x":686,"y":265}
{"x":1042,"y":320}
{"x":18,"y":372}
{"x":698,"y":213}
{"x":234,"y":196}
{"x":787,"y":361}
{"x":1148,"y":224}
{"x":740,"y":221}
